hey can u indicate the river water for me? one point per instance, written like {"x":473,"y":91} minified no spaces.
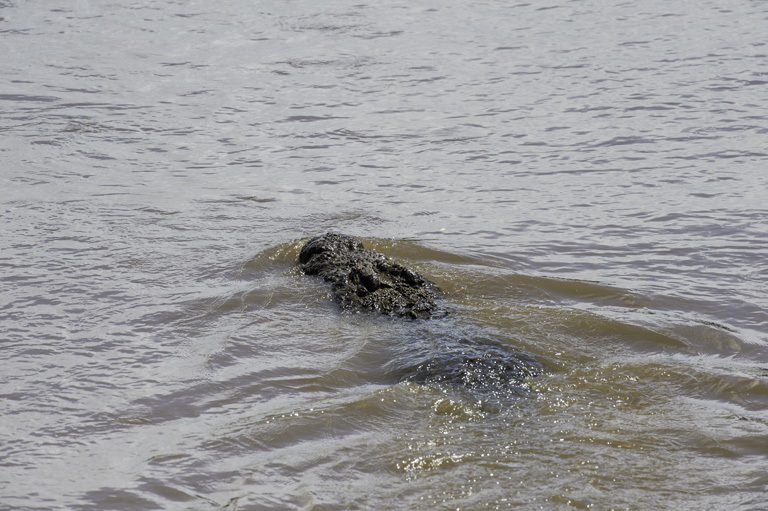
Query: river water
{"x":585,"y":180}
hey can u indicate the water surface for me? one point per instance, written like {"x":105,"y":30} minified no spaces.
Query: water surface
{"x":584,"y":180}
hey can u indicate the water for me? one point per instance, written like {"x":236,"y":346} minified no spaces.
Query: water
{"x":585,"y":181}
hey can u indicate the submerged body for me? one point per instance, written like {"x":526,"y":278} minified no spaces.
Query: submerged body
{"x":363,"y":279}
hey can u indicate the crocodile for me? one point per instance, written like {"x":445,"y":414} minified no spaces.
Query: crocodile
{"x":366,"y":280}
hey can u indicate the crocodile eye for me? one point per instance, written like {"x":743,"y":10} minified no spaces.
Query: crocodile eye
{"x":410,"y":277}
{"x":370,"y":280}
{"x":313,"y":247}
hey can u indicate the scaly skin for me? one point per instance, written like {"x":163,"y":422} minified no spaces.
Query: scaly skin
{"x":364,"y":279}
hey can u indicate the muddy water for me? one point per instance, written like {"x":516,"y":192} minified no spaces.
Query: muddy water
{"x":585,"y":181}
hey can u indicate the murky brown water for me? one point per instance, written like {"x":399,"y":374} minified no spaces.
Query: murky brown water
{"x":586,"y":181}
